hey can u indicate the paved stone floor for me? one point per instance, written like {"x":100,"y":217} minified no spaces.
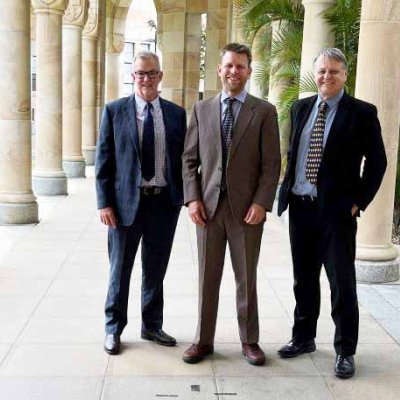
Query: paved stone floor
{"x":53,"y":279}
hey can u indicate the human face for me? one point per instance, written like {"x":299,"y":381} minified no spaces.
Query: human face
{"x":146,"y":87}
{"x":330,"y":76}
{"x":234,"y":72}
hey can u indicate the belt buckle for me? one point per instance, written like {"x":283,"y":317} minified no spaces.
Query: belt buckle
{"x":147,"y":190}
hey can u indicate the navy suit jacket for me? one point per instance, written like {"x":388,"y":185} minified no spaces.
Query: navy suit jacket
{"x":118,"y":160}
{"x":355,"y":134}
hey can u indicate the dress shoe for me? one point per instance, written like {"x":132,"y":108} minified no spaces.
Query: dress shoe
{"x":112,"y":343}
{"x":253,"y":354}
{"x":295,"y":348}
{"x":196,"y":352}
{"x":344,"y":366}
{"x":158,"y":336}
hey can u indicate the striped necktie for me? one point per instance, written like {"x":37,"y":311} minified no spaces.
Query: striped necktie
{"x":316,"y":144}
{"x":226,"y":134}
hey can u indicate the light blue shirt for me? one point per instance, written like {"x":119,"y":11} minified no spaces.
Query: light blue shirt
{"x":236,"y":105}
{"x":302,"y":186}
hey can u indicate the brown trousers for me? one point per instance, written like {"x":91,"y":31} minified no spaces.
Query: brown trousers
{"x":244,"y":244}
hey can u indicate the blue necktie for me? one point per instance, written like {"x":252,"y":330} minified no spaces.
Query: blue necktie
{"x":148,"y":158}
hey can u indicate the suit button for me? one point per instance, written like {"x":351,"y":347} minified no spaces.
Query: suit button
{"x":218,"y":186}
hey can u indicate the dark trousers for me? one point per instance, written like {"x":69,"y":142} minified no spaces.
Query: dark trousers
{"x":155,"y":224}
{"x":316,"y":241}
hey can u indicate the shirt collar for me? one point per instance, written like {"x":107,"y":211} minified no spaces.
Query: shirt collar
{"x":141,"y":103}
{"x":240,"y":97}
{"x":332,"y":101}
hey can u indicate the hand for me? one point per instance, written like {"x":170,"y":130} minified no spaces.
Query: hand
{"x":107,"y":217}
{"x":255,"y":214}
{"x":354,"y":210}
{"x":197,"y":212}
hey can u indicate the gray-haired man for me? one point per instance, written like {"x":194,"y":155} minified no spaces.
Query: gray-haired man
{"x":331,"y":134}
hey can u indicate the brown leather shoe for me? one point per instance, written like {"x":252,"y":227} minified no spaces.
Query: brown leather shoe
{"x":196,"y":352}
{"x":253,"y":353}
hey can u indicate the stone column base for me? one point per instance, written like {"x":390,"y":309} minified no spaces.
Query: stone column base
{"x":89,"y":155}
{"x":18,"y":213}
{"x":377,"y":271}
{"x":50,"y":186}
{"x":74,"y":169}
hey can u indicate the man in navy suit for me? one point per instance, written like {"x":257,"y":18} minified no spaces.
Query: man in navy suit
{"x":325,"y":187}
{"x":139,"y":195}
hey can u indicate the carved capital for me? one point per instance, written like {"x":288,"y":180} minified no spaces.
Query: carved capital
{"x":115,"y":43}
{"x":76,"y":13}
{"x":51,"y":6}
{"x":93,"y":20}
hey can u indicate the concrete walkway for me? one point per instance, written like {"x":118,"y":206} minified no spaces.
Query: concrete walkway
{"x":53,"y":280}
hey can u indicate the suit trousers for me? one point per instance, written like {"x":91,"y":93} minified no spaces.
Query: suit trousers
{"x":315,"y":241}
{"x":155,"y":224}
{"x":244,"y":244}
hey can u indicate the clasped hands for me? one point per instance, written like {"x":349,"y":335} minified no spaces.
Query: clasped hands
{"x":197,"y":213}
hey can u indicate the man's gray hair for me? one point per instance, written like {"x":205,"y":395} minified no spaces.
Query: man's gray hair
{"x":332,"y":52}
{"x":147,"y":55}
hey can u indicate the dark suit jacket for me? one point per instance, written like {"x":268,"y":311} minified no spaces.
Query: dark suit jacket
{"x":355,"y":133}
{"x":254,"y":161}
{"x":118,"y":165}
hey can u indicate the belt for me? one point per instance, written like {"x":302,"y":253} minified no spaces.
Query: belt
{"x":151,"y":190}
{"x":303,"y":198}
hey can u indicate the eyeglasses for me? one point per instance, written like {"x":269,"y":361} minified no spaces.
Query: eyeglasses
{"x":150,"y":74}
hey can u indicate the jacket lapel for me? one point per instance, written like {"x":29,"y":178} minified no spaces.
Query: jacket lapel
{"x":341,"y":113}
{"x":243,"y":119}
{"x":130,"y":114}
{"x":215,"y":123}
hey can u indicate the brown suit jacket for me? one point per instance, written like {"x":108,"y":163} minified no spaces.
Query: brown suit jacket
{"x":254,"y":161}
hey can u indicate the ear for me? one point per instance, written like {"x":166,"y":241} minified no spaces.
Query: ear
{"x":219,"y":69}
{"x":160,"y":75}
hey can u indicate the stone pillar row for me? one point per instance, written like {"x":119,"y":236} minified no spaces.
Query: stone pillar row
{"x":17,"y":202}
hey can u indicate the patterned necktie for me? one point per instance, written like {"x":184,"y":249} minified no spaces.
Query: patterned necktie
{"x":148,"y":157}
{"x":226,"y":133}
{"x":316,"y":144}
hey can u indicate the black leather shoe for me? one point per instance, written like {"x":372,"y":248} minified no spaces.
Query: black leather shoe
{"x":344,"y":366}
{"x":294,"y":348}
{"x":158,"y":336}
{"x":112,"y":344}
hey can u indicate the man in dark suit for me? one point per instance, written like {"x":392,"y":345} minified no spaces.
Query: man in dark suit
{"x":325,"y":187}
{"x":231,"y":166}
{"x":139,"y":194}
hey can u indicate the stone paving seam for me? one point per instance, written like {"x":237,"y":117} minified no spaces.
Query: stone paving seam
{"x":105,"y":378}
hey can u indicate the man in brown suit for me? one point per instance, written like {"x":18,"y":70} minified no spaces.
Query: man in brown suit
{"x":231,"y":166}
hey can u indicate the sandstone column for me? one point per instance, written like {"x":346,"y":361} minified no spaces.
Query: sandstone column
{"x":317,"y":35}
{"x":17,"y":202}
{"x":217,"y":36}
{"x":48,"y":176}
{"x":89,"y":76}
{"x":101,"y":65}
{"x":181,"y":53}
{"x":73,"y":22}
{"x":378,"y":82}
{"x":114,"y":49}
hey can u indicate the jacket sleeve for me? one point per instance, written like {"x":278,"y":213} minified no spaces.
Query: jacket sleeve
{"x":191,"y":162}
{"x":105,"y":162}
{"x":375,"y":160}
{"x":270,"y":161}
